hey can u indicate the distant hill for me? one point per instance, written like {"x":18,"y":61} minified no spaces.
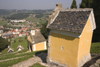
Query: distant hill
{"x":22,"y":14}
{"x":18,"y":16}
{"x":5,"y":12}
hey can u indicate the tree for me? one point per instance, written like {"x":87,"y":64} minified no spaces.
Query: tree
{"x":95,"y":4}
{"x":44,"y":30}
{"x":74,"y":4}
{"x":86,"y":4}
{"x":3,"y":43}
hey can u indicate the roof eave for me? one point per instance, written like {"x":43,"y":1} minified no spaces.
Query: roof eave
{"x":72,"y":34}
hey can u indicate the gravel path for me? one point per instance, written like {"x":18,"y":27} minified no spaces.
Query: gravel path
{"x":28,"y":62}
{"x":35,"y":59}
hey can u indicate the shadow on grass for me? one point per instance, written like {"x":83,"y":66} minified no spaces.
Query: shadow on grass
{"x":42,"y":55}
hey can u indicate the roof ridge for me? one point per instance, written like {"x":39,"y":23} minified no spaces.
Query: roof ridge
{"x":80,"y":9}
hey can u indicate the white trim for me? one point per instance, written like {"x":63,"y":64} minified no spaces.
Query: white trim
{"x":45,"y":45}
{"x":80,"y":9}
{"x":34,"y":47}
{"x":93,"y":24}
{"x":90,"y":17}
{"x":54,"y":17}
{"x":66,"y":33}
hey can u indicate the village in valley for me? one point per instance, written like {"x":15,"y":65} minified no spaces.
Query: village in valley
{"x":51,"y":38}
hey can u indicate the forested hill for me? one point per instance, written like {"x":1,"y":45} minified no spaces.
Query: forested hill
{"x":22,"y":14}
{"x":18,"y":16}
{"x":5,"y":12}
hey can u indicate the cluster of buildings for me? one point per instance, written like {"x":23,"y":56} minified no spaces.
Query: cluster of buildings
{"x":15,"y":33}
{"x":18,"y":21}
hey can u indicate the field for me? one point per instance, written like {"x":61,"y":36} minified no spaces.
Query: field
{"x":38,"y":21}
{"x":3,"y":22}
{"x":22,"y":56}
{"x":15,"y":44}
{"x":95,"y":47}
{"x":23,"y":43}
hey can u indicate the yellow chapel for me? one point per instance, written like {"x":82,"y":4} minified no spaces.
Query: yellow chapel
{"x":36,"y":41}
{"x":70,"y":36}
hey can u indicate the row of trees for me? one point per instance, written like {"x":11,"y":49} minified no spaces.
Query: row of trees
{"x":18,"y":16}
{"x":44,"y":30}
{"x":39,"y":15}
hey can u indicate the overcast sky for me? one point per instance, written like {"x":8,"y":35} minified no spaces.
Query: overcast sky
{"x":34,"y":4}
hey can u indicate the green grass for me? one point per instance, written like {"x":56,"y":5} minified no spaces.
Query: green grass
{"x":3,"y":22}
{"x":35,"y":20}
{"x":13,"y":55}
{"x":14,"y":45}
{"x":24,"y":43}
{"x":4,"y":51}
{"x":15,"y":61}
{"x":95,"y":47}
{"x":37,"y":65}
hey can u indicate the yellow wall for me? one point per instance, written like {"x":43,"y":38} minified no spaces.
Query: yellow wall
{"x":69,"y":53}
{"x":29,"y":38}
{"x":40,"y":46}
{"x":0,"y":34}
{"x":85,"y":41}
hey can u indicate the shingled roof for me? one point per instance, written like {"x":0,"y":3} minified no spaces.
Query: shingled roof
{"x":38,"y":37}
{"x":70,"y":20}
{"x":32,"y":26}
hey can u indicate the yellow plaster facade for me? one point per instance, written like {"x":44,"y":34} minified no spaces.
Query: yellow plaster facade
{"x":67,"y":55}
{"x":29,"y":38}
{"x":37,"y":46}
{"x":71,"y":50}
{"x":40,"y":46}
{"x":85,"y":41}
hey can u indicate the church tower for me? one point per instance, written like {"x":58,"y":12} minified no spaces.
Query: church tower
{"x":32,"y":32}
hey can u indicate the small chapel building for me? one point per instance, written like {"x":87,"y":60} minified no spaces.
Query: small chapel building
{"x":36,"y":41}
{"x":70,"y":36}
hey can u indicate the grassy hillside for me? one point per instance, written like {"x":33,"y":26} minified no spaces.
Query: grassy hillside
{"x":15,"y":44}
{"x":23,"y":56}
{"x":38,"y":21}
{"x":3,"y":22}
{"x":95,"y":47}
{"x":23,"y":43}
